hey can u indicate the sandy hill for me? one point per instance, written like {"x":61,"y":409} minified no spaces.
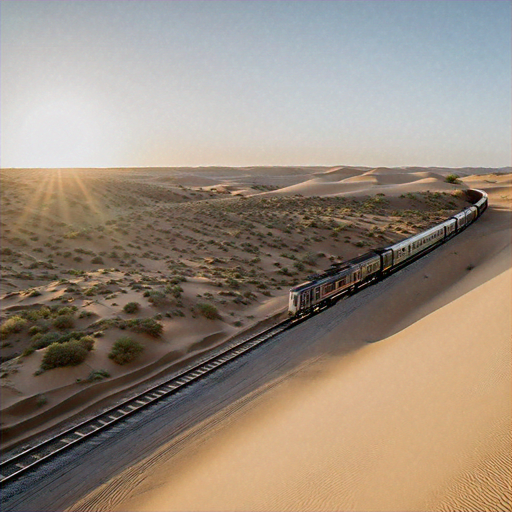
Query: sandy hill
{"x":176,"y":265}
{"x":405,"y":403}
{"x":382,"y":180}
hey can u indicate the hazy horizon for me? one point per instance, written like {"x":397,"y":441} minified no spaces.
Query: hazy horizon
{"x":246,"y":84}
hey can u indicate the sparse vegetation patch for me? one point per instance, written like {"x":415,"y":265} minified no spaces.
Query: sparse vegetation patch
{"x":71,"y":353}
{"x":131,"y":307}
{"x":452,"y":178}
{"x":12,"y":325}
{"x":208,"y":311}
{"x":125,"y":350}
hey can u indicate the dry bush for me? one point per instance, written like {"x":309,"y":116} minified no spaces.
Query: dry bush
{"x":131,"y":307}
{"x":125,"y":350}
{"x":146,"y":325}
{"x":208,"y":310}
{"x":71,"y":353}
{"x":12,"y":325}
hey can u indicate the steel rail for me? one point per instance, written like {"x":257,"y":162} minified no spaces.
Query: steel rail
{"x":18,"y":464}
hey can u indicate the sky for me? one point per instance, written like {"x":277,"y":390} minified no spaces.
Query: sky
{"x":246,"y":83}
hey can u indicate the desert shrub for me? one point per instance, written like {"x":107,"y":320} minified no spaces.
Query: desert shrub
{"x":157,"y":298}
{"x":87,"y":342}
{"x":310,"y":258}
{"x":299,"y":265}
{"x":45,"y":340}
{"x":452,"y":178}
{"x":232,"y":283}
{"x":64,"y":322}
{"x":93,"y":290}
{"x":208,"y":310}
{"x":33,"y":315}
{"x":66,"y":310}
{"x":175,"y":290}
{"x":42,"y":326}
{"x":147,"y":326}
{"x":97,"y":260}
{"x":177,"y":279}
{"x":71,"y":353}
{"x":12,"y":325}
{"x":96,"y":375}
{"x":125,"y":350}
{"x":131,"y":307}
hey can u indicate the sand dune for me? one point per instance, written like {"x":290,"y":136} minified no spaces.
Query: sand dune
{"x":388,"y":183}
{"x":85,"y":244}
{"x":419,"y":421}
{"x":338,"y":173}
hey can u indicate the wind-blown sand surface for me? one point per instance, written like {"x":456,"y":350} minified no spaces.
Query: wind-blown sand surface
{"x":416,"y":420}
{"x":82,"y":244}
{"x":420,"y":421}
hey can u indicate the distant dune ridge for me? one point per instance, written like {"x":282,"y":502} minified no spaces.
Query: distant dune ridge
{"x":417,"y":418}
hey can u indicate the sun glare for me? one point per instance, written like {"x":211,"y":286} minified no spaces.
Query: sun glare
{"x":61,"y":133}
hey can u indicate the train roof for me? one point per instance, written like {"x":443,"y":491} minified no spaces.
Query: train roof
{"x":333,"y":270}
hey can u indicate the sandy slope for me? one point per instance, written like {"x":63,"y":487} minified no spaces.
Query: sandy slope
{"x":393,"y":182}
{"x":418,"y":420}
{"x":96,"y":240}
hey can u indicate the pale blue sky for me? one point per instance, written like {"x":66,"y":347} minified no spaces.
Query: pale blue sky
{"x":188,"y":83}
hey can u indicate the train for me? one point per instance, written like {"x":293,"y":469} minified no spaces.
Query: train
{"x":341,"y":278}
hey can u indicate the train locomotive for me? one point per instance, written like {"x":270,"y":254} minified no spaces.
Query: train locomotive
{"x":341,"y":278}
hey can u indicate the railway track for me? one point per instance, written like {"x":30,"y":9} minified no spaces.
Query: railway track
{"x":13,"y":467}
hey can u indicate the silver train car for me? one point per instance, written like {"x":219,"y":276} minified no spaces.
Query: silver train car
{"x":321,"y":289}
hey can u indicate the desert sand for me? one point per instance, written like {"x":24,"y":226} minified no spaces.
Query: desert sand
{"x":418,"y":419}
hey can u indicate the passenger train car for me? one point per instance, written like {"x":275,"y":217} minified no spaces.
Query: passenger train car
{"x":323,"y":288}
